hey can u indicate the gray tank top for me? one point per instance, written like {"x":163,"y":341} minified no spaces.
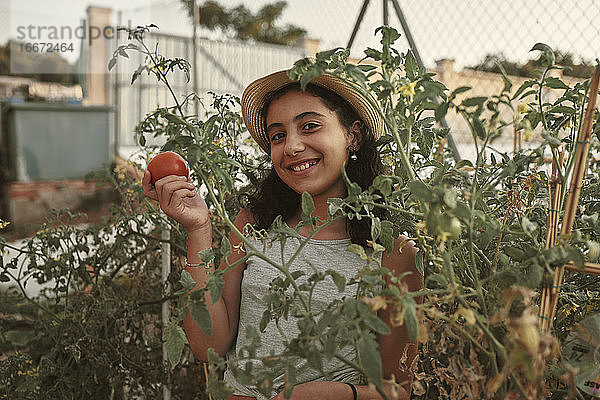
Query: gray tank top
{"x":319,"y":254}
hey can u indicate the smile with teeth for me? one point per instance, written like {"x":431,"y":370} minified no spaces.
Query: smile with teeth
{"x":302,"y":167}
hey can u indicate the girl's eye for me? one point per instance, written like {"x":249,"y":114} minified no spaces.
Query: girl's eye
{"x":310,"y":126}
{"x":276,"y":136}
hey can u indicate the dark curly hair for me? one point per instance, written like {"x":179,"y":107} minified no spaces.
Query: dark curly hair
{"x":273,"y":197}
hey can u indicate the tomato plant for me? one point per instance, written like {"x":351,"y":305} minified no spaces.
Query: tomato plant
{"x":479,"y":224}
{"x":167,"y":163}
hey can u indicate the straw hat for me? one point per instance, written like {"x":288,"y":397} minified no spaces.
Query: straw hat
{"x":256,"y":94}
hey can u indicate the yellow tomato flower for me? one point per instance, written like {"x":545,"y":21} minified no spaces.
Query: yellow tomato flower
{"x":408,"y":90}
{"x":523,"y":107}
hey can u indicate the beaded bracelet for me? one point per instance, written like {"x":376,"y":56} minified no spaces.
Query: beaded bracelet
{"x":188,"y":264}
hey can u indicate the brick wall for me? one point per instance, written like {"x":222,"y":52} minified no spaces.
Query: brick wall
{"x":30,"y":203}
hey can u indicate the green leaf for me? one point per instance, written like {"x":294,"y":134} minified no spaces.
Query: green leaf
{"x":225,"y":248}
{"x":410,"y":318}
{"x":186,"y":280}
{"x":425,"y":143}
{"x":383,"y":184}
{"x":366,"y":67}
{"x":577,"y":257}
{"x":368,"y":353}
{"x":314,"y":71}
{"x":478,"y":128}
{"x":112,"y":63}
{"x":264,"y":321}
{"x":201,"y":316}
{"x":335,"y":204}
{"x":528,"y":226}
{"x":450,"y":198}
{"x":529,"y":93}
{"x":419,"y":262}
{"x":329,"y":346}
{"x":563,"y":110}
{"x":521,"y":89}
{"x":137,"y":73}
{"x":314,"y":360}
{"x":376,"y":324}
{"x":474,"y":102}
{"x":549,"y":58}
{"x":411,"y":66}
{"x":206,"y":255}
{"x":552,"y":141}
{"x":372,"y":53}
{"x":421,"y":191}
{"x":458,"y":91}
{"x":555,"y":83}
{"x":215,"y":286}
{"x":375,"y":228}
{"x":441,"y":111}
{"x":173,"y":118}
{"x":507,"y":82}
{"x":326,"y":55}
{"x":175,"y":340}
{"x":308,"y":206}
{"x":389,"y":35}
{"x":215,"y":386}
{"x":387,"y":235}
{"x":514,"y":253}
{"x":338,"y":279}
{"x":463,"y":163}
{"x":358,"y":249}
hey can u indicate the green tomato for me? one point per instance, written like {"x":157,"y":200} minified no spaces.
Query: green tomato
{"x":450,"y":227}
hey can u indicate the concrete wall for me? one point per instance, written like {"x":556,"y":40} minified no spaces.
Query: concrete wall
{"x":487,"y":84}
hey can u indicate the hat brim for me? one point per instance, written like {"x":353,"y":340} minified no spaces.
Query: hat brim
{"x":257,"y":93}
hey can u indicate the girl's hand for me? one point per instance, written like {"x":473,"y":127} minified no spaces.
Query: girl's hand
{"x":178,"y":199}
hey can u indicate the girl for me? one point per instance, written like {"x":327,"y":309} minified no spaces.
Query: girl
{"x":309,"y":136}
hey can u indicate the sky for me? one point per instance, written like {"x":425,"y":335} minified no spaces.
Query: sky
{"x":464,"y":30}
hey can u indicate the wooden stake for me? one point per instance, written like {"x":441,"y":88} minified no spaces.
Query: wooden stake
{"x":550,"y":295}
{"x":589,"y":268}
{"x":554,"y":190}
{"x":206,"y":379}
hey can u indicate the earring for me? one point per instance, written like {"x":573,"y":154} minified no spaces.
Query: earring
{"x":352,"y":150}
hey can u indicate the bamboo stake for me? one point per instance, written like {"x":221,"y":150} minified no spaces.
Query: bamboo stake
{"x":589,"y":268}
{"x":554,"y":189}
{"x":580,"y":165}
{"x":206,"y":379}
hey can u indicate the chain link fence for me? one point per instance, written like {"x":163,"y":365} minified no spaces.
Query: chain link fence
{"x":453,"y":35}
{"x":464,"y":31}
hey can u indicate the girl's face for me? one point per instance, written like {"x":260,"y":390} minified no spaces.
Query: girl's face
{"x":308,"y":144}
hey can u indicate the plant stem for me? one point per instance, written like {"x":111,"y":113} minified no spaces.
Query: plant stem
{"x":163,"y":76}
{"x":541,"y":86}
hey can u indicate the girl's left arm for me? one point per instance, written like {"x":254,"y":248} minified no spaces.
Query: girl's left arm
{"x":396,"y":349}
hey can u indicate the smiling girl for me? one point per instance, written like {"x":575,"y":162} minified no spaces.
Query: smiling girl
{"x":310,"y":136}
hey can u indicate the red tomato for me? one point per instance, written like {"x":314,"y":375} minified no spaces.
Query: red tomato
{"x":167,"y":163}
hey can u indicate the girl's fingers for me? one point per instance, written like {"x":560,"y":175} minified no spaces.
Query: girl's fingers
{"x":171,"y":190}
{"x":147,"y":186}
{"x":168,"y":184}
{"x":180,"y":194}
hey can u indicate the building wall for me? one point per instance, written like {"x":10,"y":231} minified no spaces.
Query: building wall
{"x":487,"y":84}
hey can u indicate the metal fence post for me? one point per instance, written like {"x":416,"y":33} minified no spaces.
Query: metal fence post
{"x":165,"y":248}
